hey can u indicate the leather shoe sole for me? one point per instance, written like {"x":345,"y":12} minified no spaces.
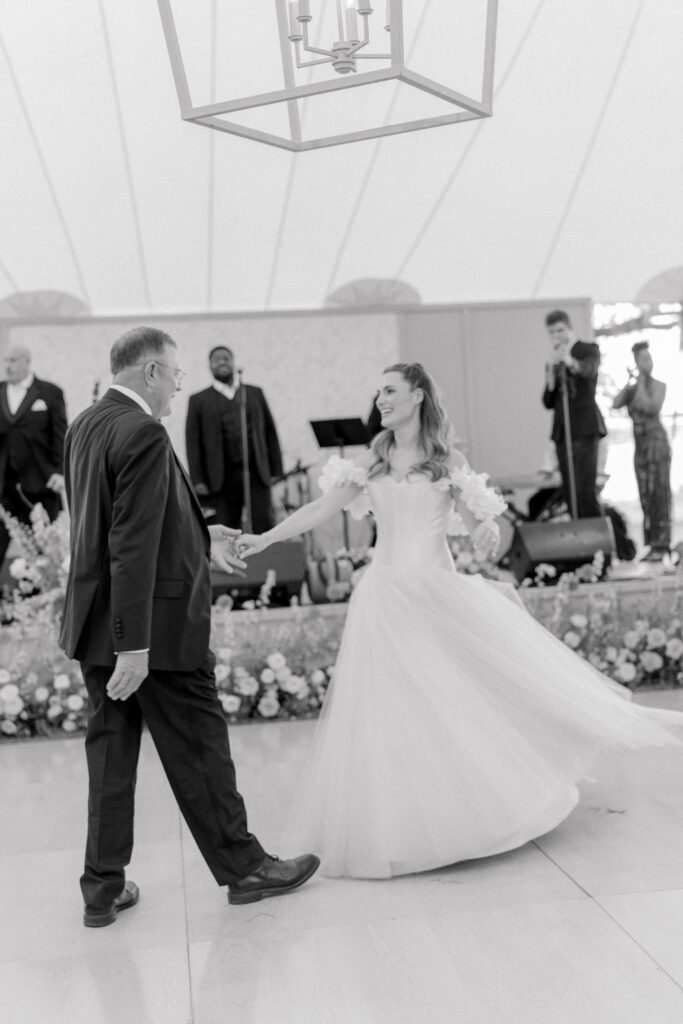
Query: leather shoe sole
{"x":253,"y":892}
{"x":99,"y":917}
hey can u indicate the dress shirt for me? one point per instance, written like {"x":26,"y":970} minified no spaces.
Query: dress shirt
{"x":225,"y":389}
{"x":132,"y":394}
{"x":16,"y":393}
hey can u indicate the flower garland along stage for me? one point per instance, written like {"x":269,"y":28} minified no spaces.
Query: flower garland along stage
{"x":276,"y":663}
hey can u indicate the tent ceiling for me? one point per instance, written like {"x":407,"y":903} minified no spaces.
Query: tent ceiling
{"x":570,"y":188}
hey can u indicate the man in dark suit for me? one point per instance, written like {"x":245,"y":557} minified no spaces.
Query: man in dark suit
{"x":574,"y":365}
{"x":215,"y":448}
{"x":137,"y":617}
{"x":32,"y":428}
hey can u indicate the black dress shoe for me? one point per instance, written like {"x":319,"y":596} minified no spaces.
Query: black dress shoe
{"x":274,"y":877}
{"x":98,"y":917}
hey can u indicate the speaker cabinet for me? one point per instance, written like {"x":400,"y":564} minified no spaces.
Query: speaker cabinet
{"x":565,"y":545}
{"x":286,"y":559}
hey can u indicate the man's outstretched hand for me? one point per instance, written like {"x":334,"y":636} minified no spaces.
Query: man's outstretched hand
{"x":224,"y":551}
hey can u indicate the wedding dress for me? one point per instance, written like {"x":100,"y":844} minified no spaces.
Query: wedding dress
{"x":456,"y":726}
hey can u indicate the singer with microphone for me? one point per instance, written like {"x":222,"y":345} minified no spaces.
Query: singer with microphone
{"x":233,"y":451}
{"x":571,"y":378}
{"x":643,"y":397}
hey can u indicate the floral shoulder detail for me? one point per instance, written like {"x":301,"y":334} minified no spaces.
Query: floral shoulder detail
{"x":481,"y":500}
{"x":338,"y":472}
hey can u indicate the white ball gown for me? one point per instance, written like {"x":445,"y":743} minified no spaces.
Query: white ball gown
{"x":456,"y":726}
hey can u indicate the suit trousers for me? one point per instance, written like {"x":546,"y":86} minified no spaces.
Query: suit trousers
{"x":185,"y":720}
{"x":229,"y":502}
{"x":585,"y":461}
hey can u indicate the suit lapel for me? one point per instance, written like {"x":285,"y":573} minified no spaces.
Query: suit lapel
{"x":193,"y":496}
{"x":27,"y":401}
{"x":4,"y":404}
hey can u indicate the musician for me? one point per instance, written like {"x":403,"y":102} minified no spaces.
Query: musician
{"x":216,"y":449}
{"x":643,"y":396}
{"x":574,"y":366}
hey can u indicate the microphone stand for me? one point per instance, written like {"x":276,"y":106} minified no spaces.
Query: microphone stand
{"x":246,"y":476}
{"x":571,"y":479}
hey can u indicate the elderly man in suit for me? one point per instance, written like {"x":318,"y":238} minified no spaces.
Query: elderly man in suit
{"x":32,"y":428}
{"x":574,"y":366}
{"x":137,"y":616}
{"x":216,"y":450}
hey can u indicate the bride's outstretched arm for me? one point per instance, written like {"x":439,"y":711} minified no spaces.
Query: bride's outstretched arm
{"x":301,"y":521}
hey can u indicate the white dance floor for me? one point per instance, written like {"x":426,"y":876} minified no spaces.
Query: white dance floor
{"x":584,"y":926}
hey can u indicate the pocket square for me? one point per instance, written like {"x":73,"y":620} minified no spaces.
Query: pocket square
{"x":39,"y":406}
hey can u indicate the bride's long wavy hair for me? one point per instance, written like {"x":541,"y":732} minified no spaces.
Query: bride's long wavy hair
{"x":436,"y":431}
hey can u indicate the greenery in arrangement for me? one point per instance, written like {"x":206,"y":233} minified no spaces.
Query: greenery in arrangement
{"x":277,"y":664}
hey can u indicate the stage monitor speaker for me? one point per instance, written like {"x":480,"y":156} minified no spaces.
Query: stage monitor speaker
{"x":286,"y":559}
{"x":564,"y":545}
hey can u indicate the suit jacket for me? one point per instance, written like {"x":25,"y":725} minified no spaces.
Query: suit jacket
{"x":32,"y":441}
{"x":584,"y":415}
{"x":204,"y":439}
{"x":139,"y":574}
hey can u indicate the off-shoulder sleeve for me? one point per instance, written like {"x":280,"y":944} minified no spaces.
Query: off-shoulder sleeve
{"x":472,"y":489}
{"x":338,"y":472}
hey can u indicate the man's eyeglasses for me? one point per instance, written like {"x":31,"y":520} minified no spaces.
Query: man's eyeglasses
{"x":177,"y":373}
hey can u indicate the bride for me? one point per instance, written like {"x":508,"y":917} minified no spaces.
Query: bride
{"x":456,"y":726}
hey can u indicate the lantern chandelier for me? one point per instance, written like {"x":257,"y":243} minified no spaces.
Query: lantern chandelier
{"x":306,"y":56}
{"x":345,"y":51}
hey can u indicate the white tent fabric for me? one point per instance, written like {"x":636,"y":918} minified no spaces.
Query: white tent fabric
{"x":570,"y":188}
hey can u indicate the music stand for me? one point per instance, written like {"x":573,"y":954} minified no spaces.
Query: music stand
{"x":341,"y":434}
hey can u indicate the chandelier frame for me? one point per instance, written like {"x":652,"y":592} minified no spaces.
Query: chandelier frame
{"x":210,"y":115}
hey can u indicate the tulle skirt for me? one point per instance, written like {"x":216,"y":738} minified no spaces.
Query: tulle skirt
{"x":455,"y":727}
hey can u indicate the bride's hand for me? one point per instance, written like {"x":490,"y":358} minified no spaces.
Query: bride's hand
{"x":251,"y":544}
{"x":486,"y":538}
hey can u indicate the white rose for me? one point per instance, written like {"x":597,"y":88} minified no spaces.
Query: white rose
{"x":291,"y":683}
{"x":267,"y":707}
{"x":4,"y":676}
{"x":9,"y":728}
{"x":579,"y":621}
{"x":283,"y":674}
{"x":674,"y":648}
{"x":41,"y":694}
{"x":247,"y":686}
{"x":221,"y":673}
{"x":656,"y":638}
{"x":18,"y":568}
{"x":13,"y":707}
{"x":74,"y":702}
{"x":631,"y":638}
{"x":61,"y":682}
{"x":68,"y":725}
{"x":54,"y":711}
{"x":267,"y":676}
{"x":304,"y":690}
{"x":651,"y":661}
{"x":9,"y":692}
{"x":317,"y":677}
{"x":231,"y":703}
{"x":626,"y":673}
{"x":611,"y":655}
{"x":276,"y":661}
{"x":224,"y":653}
{"x":572,"y":639}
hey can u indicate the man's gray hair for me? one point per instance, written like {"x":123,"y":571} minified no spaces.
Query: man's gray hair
{"x":132,"y":346}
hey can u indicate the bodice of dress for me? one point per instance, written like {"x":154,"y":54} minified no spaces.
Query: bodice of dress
{"x":412,"y":516}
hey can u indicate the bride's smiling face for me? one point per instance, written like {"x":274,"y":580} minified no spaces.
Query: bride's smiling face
{"x":396,"y":401}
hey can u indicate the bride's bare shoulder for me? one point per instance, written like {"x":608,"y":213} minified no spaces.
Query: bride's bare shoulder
{"x":456,"y":459}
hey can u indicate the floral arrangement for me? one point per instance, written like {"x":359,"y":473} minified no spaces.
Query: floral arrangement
{"x":290,"y":681}
{"x":646,"y":653}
